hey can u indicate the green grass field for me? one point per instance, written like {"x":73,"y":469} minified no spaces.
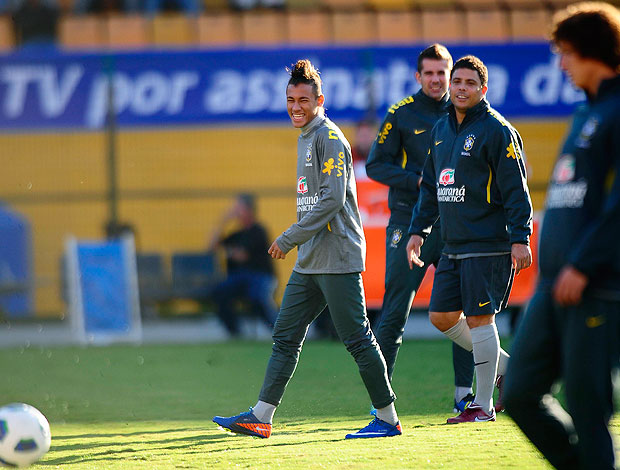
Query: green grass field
{"x":150,"y":407}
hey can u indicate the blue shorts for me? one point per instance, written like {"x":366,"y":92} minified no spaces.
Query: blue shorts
{"x":477,"y":286}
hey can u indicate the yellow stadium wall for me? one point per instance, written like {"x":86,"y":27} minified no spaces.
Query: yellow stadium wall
{"x":174,"y":184}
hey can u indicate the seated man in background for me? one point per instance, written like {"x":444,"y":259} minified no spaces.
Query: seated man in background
{"x":250,"y":274}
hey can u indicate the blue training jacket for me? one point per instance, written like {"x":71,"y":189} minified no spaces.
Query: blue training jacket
{"x":475,"y":179}
{"x":582,"y":209}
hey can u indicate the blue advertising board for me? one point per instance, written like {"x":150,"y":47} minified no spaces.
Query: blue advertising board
{"x":103,"y":293}
{"x":16,"y":280}
{"x":56,"y":90}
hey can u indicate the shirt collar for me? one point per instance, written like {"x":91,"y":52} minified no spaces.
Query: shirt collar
{"x":314,"y":124}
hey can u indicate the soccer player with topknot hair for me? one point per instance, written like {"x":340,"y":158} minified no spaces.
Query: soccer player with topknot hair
{"x":331,"y":253}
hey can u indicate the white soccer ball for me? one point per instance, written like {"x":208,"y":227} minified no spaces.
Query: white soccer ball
{"x":24,"y":435}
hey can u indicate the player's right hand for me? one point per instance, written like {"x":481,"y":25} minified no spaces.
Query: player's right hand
{"x":276,"y":252}
{"x":413,"y":251}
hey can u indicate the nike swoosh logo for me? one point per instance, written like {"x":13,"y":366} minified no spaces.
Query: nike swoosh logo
{"x":593,"y":322}
{"x":419,"y":131}
{"x":480,"y":363}
{"x":261,"y":429}
{"x":478,"y":420}
{"x":480,"y":304}
{"x":437,"y":142}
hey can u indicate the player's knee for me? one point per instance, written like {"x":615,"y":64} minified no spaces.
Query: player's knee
{"x":443,"y":320}
{"x":358,"y":343}
{"x":285,"y":346}
{"x":475,"y":321}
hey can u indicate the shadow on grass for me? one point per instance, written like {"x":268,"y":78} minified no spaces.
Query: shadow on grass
{"x":130,"y":450}
{"x":137,"y":433}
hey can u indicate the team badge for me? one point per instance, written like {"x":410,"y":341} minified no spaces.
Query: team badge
{"x":564,"y":170}
{"x":446,"y":176}
{"x":302,"y":185}
{"x":397,"y":236}
{"x":309,"y":155}
{"x":587,"y":131}
{"x":469,"y":142}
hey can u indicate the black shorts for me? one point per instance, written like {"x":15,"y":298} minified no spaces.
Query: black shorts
{"x":477,"y":286}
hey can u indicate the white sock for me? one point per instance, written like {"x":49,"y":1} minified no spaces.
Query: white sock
{"x":502,"y":364}
{"x":264,"y":411}
{"x":462,"y":392}
{"x":460,"y":334}
{"x":486,"y":356}
{"x":388,"y":414}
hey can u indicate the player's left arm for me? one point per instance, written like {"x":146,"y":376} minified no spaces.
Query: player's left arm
{"x":598,"y":246}
{"x":510,"y":172}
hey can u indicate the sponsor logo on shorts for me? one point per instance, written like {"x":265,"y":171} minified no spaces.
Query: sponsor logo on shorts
{"x":595,"y":321}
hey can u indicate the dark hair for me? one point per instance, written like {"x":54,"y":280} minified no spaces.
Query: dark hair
{"x":592,"y":28}
{"x":472,"y":62}
{"x":435,"y":52}
{"x":304,"y":72}
{"x":248,"y":200}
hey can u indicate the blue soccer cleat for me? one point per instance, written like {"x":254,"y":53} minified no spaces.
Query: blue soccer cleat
{"x":244,"y":423}
{"x":377,"y":428}
{"x":464,"y":403}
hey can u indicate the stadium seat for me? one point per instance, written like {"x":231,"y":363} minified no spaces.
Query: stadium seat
{"x":434,"y":4}
{"x":193,"y":275}
{"x":263,"y":27}
{"x":391,"y":5}
{"x":216,"y":5}
{"x":81,"y":32}
{"x":488,"y":25}
{"x":309,"y":27}
{"x":442,"y":26}
{"x":219,"y":30}
{"x":153,"y":284}
{"x":557,"y":4}
{"x":398,"y":27}
{"x":339,"y":5}
{"x":530,"y":24}
{"x":6,"y":34}
{"x":478,"y":4}
{"x":292,"y":5}
{"x":127,"y":32}
{"x":523,"y":4}
{"x":174,"y":30}
{"x":354,"y":27}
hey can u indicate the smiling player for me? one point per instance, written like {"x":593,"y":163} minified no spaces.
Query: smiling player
{"x":396,"y":160}
{"x":475,"y":179}
{"x":331,"y":252}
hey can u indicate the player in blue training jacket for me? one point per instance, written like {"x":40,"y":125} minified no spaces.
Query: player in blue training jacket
{"x":396,"y":160}
{"x":475,"y":179}
{"x":571,"y":329}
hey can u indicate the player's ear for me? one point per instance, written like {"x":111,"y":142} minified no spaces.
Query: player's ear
{"x":321,"y":100}
{"x":484,"y":90}
{"x":418,"y":77}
